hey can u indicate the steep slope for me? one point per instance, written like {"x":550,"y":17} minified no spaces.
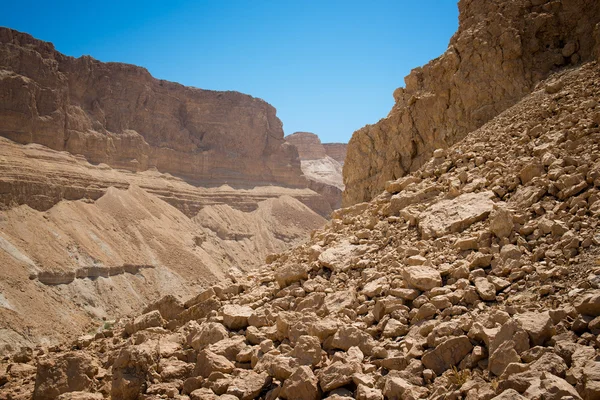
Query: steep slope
{"x":323,"y":171}
{"x":120,"y":115}
{"x":81,"y":262}
{"x":474,"y":277}
{"x":499,"y":53}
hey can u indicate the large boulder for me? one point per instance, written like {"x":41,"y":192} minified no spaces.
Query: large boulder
{"x":455,"y":215}
{"x":70,"y":372}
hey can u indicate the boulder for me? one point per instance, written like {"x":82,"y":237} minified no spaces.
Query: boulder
{"x":235,"y":316}
{"x":455,"y":215}
{"x":538,"y":325}
{"x":70,"y":372}
{"x":337,"y":375}
{"x":447,"y":354}
{"x":145,"y":321}
{"x":588,"y":303}
{"x":302,"y":385}
{"x":247,"y":385}
{"x":210,"y":332}
{"x":209,"y":362}
{"x":422,"y":277}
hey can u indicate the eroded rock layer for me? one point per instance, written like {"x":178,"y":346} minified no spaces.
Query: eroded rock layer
{"x":501,"y":50}
{"x":120,"y":115}
{"x":324,"y":172}
{"x":337,"y":151}
{"x":475,"y":277}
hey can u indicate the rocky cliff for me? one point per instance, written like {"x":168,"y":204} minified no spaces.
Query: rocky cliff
{"x":324,"y":172}
{"x":337,"y":151}
{"x":120,"y":115}
{"x":501,"y":50}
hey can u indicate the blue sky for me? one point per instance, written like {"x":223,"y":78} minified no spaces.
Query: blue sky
{"x":328,"y":66}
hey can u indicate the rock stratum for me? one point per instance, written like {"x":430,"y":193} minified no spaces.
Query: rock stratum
{"x":501,"y":50}
{"x":474,"y":277}
{"x":321,"y":164}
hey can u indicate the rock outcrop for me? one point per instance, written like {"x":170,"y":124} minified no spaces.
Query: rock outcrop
{"x":120,"y":115}
{"x":501,"y":50}
{"x":324,"y":172}
{"x":337,"y":151}
{"x":499,"y":300}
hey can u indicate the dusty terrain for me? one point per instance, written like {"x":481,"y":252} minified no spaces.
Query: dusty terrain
{"x":501,"y":50}
{"x":68,"y":268}
{"x":474,"y":277}
{"x":323,"y":171}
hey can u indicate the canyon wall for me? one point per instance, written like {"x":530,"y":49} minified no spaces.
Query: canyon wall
{"x":120,"y":115}
{"x":323,"y":171}
{"x":337,"y":151}
{"x":501,"y":50}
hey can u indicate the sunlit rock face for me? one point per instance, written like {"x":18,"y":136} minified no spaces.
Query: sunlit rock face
{"x":321,"y":164}
{"x":501,"y":50}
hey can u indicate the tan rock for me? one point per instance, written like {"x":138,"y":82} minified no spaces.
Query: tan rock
{"x":248,"y":385}
{"x":502,"y":356}
{"x":301,"y":385}
{"x":455,"y":215}
{"x":308,"y":350}
{"x":337,"y":375}
{"x":538,"y":325}
{"x":530,"y":171}
{"x":422,"y":277}
{"x":148,"y":320}
{"x":70,"y":372}
{"x":290,"y":274}
{"x":510,"y":394}
{"x":589,"y":303}
{"x":486,"y":290}
{"x":209,"y":362}
{"x":397,"y":388}
{"x":501,"y":222}
{"x":235,"y":316}
{"x":447,"y":354}
{"x":130,"y":371}
{"x":80,"y":396}
{"x":209,"y":333}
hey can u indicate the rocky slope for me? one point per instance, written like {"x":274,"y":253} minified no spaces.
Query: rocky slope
{"x":323,"y":171}
{"x":501,"y":50}
{"x":120,"y":115}
{"x":474,"y":277}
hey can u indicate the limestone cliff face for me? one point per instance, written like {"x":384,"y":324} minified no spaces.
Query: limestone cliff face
{"x":120,"y":115}
{"x":324,"y":172}
{"x":308,"y":144}
{"x":337,"y":151}
{"x":499,"y":53}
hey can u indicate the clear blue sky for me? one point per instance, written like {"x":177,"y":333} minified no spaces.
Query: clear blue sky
{"x":328,"y":66}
